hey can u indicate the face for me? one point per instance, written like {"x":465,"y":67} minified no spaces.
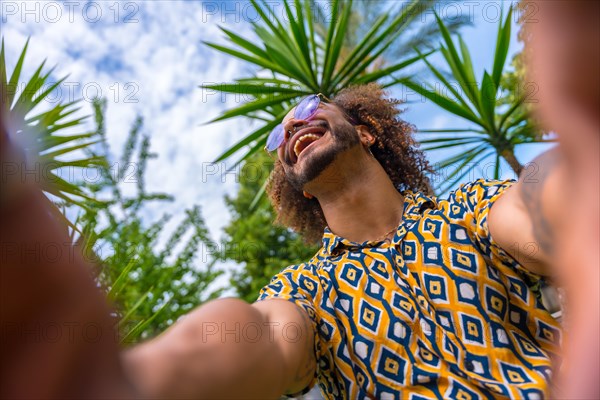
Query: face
{"x":310,"y":146}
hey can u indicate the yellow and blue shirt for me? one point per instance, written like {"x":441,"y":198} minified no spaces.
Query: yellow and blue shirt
{"x":440,"y":311}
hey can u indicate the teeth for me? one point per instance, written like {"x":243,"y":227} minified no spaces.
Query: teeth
{"x":302,"y":139}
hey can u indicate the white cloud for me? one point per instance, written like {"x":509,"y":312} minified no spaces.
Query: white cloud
{"x":152,"y":68}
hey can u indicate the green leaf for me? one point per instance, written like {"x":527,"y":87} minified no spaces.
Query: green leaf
{"x":14,"y":78}
{"x":122,"y":278}
{"x":245,"y":44}
{"x":259,"y":145}
{"x":456,"y":65}
{"x":330,"y":33}
{"x":451,"y":144}
{"x":427,"y":131}
{"x":488,"y":102}
{"x":361,"y":50}
{"x":43,"y":95}
{"x":448,"y":139}
{"x":259,"y":195}
{"x":301,"y":41}
{"x":3,"y":77}
{"x":49,"y":141}
{"x":25,"y":100}
{"x":251,"y":138}
{"x":460,"y":156}
{"x":497,"y":167}
{"x":255,"y":105}
{"x":334,"y":51}
{"x":510,"y":112}
{"x":252,"y":89}
{"x":139,"y":328}
{"x":376,"y":75}
{"x":59,"y":152}
{"x":502,"y":45}
{"x":467,"y":63}
{"x":246,"y":57}
{"x":447,"y":84}
{"x":460,"y":172}
{"x":442,"y":101}
{"x":311,"y":36}
{"x":470,"y":88}
{"x":135,"y":307}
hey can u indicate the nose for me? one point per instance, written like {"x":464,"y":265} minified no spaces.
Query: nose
{"x":289,"y":127}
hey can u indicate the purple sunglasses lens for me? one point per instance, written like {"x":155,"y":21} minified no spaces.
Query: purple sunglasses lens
{"x":304,"y":110}
{"x":275,"y":138}
{"x":307,"y":107}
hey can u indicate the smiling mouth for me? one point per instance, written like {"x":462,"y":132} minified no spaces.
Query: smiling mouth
{"x":304,"y":141}
{"x":304,"y":138}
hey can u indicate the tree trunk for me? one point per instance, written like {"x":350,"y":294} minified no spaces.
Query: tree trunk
{"x":509,"y":157}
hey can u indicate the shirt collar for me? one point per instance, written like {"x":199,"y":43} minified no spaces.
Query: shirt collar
{"x":415,"y":204}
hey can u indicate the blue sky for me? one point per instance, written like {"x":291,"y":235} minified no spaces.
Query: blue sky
{"x":147,"y":59}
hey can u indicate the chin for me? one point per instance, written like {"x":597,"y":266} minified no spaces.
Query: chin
{"x":310,"y":167}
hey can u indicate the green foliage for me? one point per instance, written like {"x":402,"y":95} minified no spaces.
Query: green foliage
{"x":252,"y":240}
{"x":501,"y":120}
{"x":297,"y":58}
{"x":422,"y":33}
{"x":151,"y":287}
{"x":151,"y":284}
{"x":41,"y":130}
{"x":514,"y":84}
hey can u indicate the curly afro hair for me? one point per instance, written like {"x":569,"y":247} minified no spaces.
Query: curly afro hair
{"x":396,"y":150}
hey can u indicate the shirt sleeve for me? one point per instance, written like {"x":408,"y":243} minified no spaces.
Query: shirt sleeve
{"x":300,"y":285}
{"x":478,"y":197}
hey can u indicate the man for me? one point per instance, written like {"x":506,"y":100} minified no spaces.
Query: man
{"x":230,"y":349}
{"x":410,"y":296}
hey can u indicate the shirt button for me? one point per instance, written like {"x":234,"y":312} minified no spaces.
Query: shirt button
{"x":469,"y":365}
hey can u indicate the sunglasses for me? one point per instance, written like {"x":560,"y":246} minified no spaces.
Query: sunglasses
{"x":305,"y":110}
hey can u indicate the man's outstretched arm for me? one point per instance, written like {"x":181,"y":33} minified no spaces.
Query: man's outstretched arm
{"x":224,"y":349}
{"x":524,"y":220}
{"x":227,"y":349}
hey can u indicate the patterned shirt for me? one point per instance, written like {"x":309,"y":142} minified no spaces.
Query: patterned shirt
{"x":441,"y":311}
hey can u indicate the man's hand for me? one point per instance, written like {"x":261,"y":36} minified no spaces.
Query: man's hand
{"x":228,"y":349}
{"x":58,"y":339}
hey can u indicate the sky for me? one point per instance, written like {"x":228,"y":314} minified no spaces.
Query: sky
{"x":147,"y":58}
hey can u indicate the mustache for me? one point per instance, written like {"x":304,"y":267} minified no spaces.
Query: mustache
{"x":316,"y":124}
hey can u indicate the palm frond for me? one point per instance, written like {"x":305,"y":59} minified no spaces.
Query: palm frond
{"x":42,"y":133}
{"x":306,"y":55}
{"x":501,"y":123}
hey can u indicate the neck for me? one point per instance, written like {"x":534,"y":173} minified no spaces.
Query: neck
{"x":359,"y":201}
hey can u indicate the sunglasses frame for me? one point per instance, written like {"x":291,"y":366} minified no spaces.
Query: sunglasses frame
{"x":319,"y":96}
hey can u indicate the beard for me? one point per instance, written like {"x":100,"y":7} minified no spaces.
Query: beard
{"x":344,"y":138}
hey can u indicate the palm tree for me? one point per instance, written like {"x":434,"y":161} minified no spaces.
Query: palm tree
{"x":501,"y":122}
{"x":422,"y":32}
{"x":297,"y":56}
{"x":42,"y":132}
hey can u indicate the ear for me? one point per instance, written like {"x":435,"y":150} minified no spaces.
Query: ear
{"x":365,"y":136}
